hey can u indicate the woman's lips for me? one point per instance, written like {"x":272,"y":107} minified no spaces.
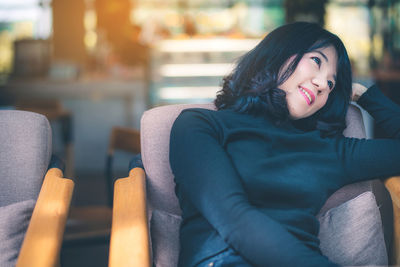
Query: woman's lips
{"x":308,"y":95}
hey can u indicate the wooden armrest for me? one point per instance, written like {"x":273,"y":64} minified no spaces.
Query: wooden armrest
{"x":129,"y":245}
{"x":392,"y":184}
{"x":42,"y":242}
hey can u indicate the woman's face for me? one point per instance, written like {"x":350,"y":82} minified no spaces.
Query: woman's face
{"x":309,"y":86}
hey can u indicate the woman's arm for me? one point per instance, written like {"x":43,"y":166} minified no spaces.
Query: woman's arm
{"x":206,"y":178}
{"x":377,"y":158}
{"x":358,"y":91}
{"x":385,"y":112}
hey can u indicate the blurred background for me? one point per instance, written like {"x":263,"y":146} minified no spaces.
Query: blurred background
{"x":93,"y":65}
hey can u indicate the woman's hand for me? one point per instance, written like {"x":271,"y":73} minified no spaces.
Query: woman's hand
{"x":358,"y":91}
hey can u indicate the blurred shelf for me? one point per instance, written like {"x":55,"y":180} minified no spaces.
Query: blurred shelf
{"x":206,"y":45}
{"x":83,"y":88}
{"x":191,"y":70}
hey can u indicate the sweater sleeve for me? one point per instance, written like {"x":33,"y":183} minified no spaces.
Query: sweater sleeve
{"x":376,"y":158}
{"x":207,"y":178}
{"x":385,"y":112}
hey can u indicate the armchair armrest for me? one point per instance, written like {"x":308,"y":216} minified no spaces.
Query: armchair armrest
{"x":392,"y":184}
{"x":129,"y":245}
{"x":42,"y":242}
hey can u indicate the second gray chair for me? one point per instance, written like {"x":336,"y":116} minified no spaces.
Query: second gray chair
{"x":34,"y":201}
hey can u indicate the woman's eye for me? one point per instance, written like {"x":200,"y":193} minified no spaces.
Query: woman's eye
{"x":317,"y":60}
{"x":330,"y":84}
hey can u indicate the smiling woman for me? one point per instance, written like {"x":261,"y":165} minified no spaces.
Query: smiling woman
{"x":252,"y":176}
{"x":268,"y":77}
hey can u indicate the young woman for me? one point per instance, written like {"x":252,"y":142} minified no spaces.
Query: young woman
{"x":251,"y":176}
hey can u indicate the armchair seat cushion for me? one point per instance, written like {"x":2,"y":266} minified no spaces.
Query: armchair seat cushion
{"x":14,"y":220}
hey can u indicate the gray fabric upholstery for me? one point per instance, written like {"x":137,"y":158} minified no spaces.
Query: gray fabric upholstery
{"x":351,"y":233}
{"x":355,"y":125}
{"x":165,"y":246}
{"x":14,"y":220}
{"x":25,"y":145}
{"x":155,"y":133}
{"x":355,"y":129}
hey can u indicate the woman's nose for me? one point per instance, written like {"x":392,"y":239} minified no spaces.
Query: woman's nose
{"x":320,"y":82}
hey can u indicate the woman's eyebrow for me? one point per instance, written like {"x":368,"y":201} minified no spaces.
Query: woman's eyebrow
{"x":323,"y":55}
{"x":326,"y":58}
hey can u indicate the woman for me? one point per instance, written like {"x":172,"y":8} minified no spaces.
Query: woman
{"x":251,"y":176}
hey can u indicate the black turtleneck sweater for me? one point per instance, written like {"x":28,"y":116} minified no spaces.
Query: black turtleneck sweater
{"x":244,"y":182}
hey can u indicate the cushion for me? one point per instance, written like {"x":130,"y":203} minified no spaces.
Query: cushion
{"x":355,"y":124}
{"x":14,"y":220}
{"x":164,"y":229}
{"x":352,"y":234}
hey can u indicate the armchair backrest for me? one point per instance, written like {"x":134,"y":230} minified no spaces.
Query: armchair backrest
{"x":25,"y":152}
{"x":25,"y":145}
{"x":154,"y":133}
{"x":163,"y":205}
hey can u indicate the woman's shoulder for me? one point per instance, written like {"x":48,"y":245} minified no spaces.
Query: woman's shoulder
{"x":208,"y":113}
{"x":222,"y":116}
{"x":191,"y":115}
{"x":224,"y":120}
{"x":204,"y":111}
{"x":194,"y":120}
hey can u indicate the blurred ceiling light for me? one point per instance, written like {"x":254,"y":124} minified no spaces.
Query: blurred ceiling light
{"x":197,"y":92}
{"x":195,"y":70}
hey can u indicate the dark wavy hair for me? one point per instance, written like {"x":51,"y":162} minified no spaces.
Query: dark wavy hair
{"x":253,"y":86}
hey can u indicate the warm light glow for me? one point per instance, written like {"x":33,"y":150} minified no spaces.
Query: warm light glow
{"x":196,"y":92}
{"x":90,"y":39}
{"x":195,"y":70}
{"x":90,"y":20}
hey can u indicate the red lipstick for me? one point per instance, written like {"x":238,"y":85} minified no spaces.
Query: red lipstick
{"x":308,"y":95}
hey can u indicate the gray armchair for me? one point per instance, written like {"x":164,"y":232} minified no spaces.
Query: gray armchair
{"x":146,"y":214}
{"x":34,"y":200}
